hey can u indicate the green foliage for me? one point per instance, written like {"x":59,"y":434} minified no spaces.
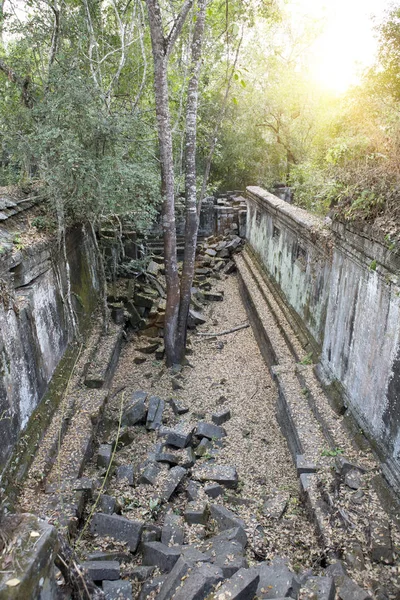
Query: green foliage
{"x":332,"y":453}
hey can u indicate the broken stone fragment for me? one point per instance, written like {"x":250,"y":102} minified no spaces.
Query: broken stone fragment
{"x":177,"y":407}
{"x":223,"y":474}
{"x":343,"y":466}
{"x":180,"y":436}
{"x":104,"y":456}
{"x":125,"y":472}
{"x":126,"y":437}
{"x":225,"y":518}
{"x":117,"y":590}
{"x":99,"y":570}
{"x":167,"y":457}
{"x":173,"y":479}
{"x":303,"y":466}
{"x":213,"y":490}
{"x":154,"y":413}
{"x":108,"y":504}
{"x":276,"y":580}
{"x":150,"y":473}
{"x":159,"y":555}
{"x":381,"y":541}
{"x":174,"y":579}
{"x":346,"y":588}
{"x":159,"y":354}
{"x":276,"y":507}
{"x":203,"y":448}
{"x":148,"y":348}
{"x":152,"y":587}
{"x":241,"y":586}
{"x":213,"y":296}
{"x":201,"y":581}
{"x":172,"y":532}
{"x":195,"y":318}
{"x":221,"y":417}
{"x":210,"y":431}
{"x":230,"y":267}
{"x":192,"y":490}
{"x":353,"y":479}
{"x":153,"y":268}
{"x":151,"y":533}
{"x":119,"y":528}
{"x":196,"y":513}
{"x":188,"y":458}
{"x":141,"y":573}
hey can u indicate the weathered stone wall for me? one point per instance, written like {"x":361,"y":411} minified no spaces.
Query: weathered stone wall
{"x":34,"y":326}
{"x":342,"y":282}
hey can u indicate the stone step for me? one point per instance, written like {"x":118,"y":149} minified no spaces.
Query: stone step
{"x":105,"y":357}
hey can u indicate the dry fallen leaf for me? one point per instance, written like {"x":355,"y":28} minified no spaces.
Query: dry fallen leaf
{"x":35,"y":534}
{"x":13,"y":582}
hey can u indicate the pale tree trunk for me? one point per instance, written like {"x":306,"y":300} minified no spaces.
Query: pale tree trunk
{"x":161,"y":47}
{"x":192,"y":218}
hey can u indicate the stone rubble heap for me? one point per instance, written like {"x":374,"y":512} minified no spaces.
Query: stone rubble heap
{"x":182,"y":470}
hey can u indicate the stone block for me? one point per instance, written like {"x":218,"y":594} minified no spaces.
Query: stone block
{"x":188,"y":458}
{"x":222,"y":474}
{"x":200,"y":582}
{"x":276,"y":580}
{"x":241,"y":586}
{"x":104,"y":456}
{"x":303,"y":466}
{"x":173,"y":479}
{"x":174,"y":579}
{"x":346,"y":588}
{"x":125,"y":472}
{"x":203,"y":448}
{"x":236,"y":535}
{"x":275,"y":507}
{"x":192,"y":490}
{"x":177,"y":407}
{"x":196,"y":513}
{"x":142,"y":573}
{"x":323,"y":588}
{"x":135,"y":411}
{"x":195,"y":318}
{"x":159,"y":555}
{"x":107,"y":504}
{"x":221,"y":416}
{"x":191,"y":554}
{"x":150,"y":473}
{"x":210,"y":431}
{"x":151,"y":533}
{"x":117,"y":590}
{"x":172,"y":532}
{"x":225,"y":518}
{"x":118,"y":528}
{"x":180,"y":436}
{"x":152,"y":587}
{"x":213,"y":490}
{"x":381,"y":541}
{"x":154,"y":413}
{"x":167,"y":457}
{"x":99,"y":570}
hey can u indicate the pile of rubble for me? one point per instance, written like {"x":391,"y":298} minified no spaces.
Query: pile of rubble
{"x":191,"y":547}
{"x":140,"y":297}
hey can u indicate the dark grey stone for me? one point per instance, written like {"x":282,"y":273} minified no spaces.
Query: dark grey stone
{"x":154,"y":413}
{"x":221,"y":417}
{"x":125,"y":438}
{"x":200,"y":582}
{"x":188,"y":459}
{"x":84,"y":484}
{"x":237,"y":535}
{"x":323,"y":588}
{"x":303,"y":466}
{"x":167,"y":457}
{"x":276,"y":507}
{"x":151,"y":533}
{"x":172,"y":531}
{"x":213,"y":296}
{"x":213,"y":490}
{"x":196,"y":513}
{"x":118,"y":528}
{"x":117,"y":590}
{"x":203,"y":448}
{"x":276,"y":580}
{"x":107,"y":504}
{"x":241,"y":586}
{"x":104,"y":456}
{"x":346,"y":588}
{"x":151,"y":586}
{"x":159,"y":555}
{"x":381,"y":542}
{"x":150,"y":473}
{"x":210,"y":431}
{"x":113,"y":555}
{"x":173,"y":479}
{"x":135,"y":411}
{"x":180,"y":436}
{"x":225,"y":518}
{"x":174,"y":579}
{"x":191,"y":554}
{"x":353,"y":479}
{"x":226,"y":550}
{"x":223,"y":474}
{"x":192,"y":490}
{"x":126,"y":472}
{"x":195,"y":318}
{"x":230,"y":265}
{"x":177,"y":407}
{"x":344,"y":466}
{"x":99,"y":570}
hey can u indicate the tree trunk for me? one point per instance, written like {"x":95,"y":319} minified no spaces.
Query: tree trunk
{"x":192,"y":217}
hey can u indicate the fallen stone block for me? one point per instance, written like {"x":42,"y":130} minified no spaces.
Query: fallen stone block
{"x":152,"y":587}
{"x":223,"y":474}
{"x":104,"y":456}
{"x":210,"y":431}
{"x":177,"y":407}
{"x":196,"y":513}
{"x":150,"y":474}
{"x":178,"y":437}
{"x":195,"y":318}
{"x":106,"y":556}
{"x":192,"y":490}
{"x":214,"y":296}
{"x":167,"y":457}
{"x":323,"y":588}
{"x":159,"y":555}
{"x":117,"y":590}
{"x":188,"y":459}
{"x":203,"y":448}
{"x":141,"y":573}
{"x":125,"y":438}
{"x":230,"y":265}
{"x":151,"y":533}
{"x":276,"y":507}
{"x":346,"y":588}
{"x":107,"y":504}
{"x":191,"y":554}
{"x":303,"y":466}
{"x":221,"y":417}
{"x":276,"y":580}
{"x":353,"y":479}
{"x":149,"y":347}
{"x":236,"y":535}
{"x":174,"y":579}
{"x":200,"y":582}
{"x":343,"y":466}
{"x":172,"y":532}
{"x":213,"y":490}
{"x":173,"y":479}
{"x":125,"y":472}
{"x":381,"y":542}
{"x":119,"y":528}
{"x":154,"y":413}
{"x":135,"y":411}
{"x":225,"y":518}
{"x":99,"y":570}
{"x":241,"y":586}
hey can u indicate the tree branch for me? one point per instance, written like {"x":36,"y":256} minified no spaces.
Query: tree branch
{"x":22,"y":83}
{"x":177,"y":26}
